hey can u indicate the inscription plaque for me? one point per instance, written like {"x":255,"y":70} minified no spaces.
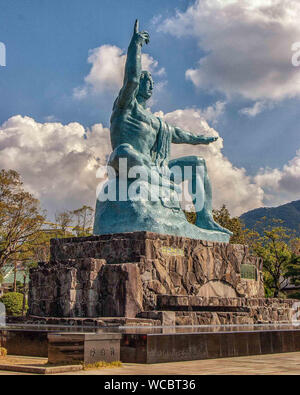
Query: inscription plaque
{"x":173,"y":251}
{"x":87,"y":348}
{"x":248,"y":272}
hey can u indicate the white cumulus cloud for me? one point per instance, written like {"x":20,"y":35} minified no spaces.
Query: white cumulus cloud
{"x":107,"y":70}
{"x":247,"y":44}
{"x":57,"y":162}
{"x":281,"y":185}
{"x":231,"y":185}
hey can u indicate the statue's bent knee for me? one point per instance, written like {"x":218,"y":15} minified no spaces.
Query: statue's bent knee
{"x":199,"y":161}
{"x":124,"y":151}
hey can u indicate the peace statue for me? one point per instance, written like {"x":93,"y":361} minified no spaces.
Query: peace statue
{"x":142,"y":141}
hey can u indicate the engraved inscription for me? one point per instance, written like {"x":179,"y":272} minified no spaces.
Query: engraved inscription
{"x":173,"y":251}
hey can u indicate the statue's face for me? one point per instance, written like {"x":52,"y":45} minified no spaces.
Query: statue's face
{"x":146,"y":86}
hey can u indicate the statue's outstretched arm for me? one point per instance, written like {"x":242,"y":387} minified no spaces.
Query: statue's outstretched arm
{"x":133,"y":67}
{"x":180,"y":136}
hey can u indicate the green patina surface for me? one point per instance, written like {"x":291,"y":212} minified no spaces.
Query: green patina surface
{"x":144,"y":140}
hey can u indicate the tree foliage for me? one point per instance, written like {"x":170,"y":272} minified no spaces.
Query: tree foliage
{"x":84,"y":217}
{"x":13,"y":302}
{"x":25,"y":234}
{"x":274,"y":246}
{"x":234,"y":224}
{"x":222,"y":217}
{"x":20,"y":217}
{"x":64,"y":221}
{"x":289,"y":213}
{"x":293,"y":271}
{"x":190,"y":216}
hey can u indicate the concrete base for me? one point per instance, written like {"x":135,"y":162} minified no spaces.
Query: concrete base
{"x":27,"y":342}
{"x":156,"y":344}
{"x":24,"y":366}
{"x":70,"y":348}
{"x":168,"y":347}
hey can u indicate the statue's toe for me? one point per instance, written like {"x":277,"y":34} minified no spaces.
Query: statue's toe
{"x":209,"y":224}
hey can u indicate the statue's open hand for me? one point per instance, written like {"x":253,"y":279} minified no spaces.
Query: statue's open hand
{"x":140,"y":37}
{"x":208,"y":140}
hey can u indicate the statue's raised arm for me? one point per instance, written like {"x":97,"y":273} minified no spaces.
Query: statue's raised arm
{"x":133,"y":67}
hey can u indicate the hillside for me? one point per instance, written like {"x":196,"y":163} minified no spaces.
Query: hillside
{"x":289,"y":213}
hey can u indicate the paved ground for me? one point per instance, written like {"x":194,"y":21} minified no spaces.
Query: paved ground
{"x":264,"y":364}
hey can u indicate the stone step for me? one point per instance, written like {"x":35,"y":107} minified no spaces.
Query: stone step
{"x":98,"y":322}
{"x":173,"y":318}
{"x":201,"y":303}
{"x":213,"y":318}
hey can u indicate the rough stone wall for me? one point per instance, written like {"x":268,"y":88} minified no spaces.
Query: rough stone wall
{"x":195,"y":262}
{"x":195,"y":310}
{"x":85,"y":288}
{"x":66,"y":288}
{"x":122,"y":275}
{"x":121,"y":291}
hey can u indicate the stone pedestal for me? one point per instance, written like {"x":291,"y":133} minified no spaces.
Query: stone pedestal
{"x":173,"y":347}
{"x":146,"y":276}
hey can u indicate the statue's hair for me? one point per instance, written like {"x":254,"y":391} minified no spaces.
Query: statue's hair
{"x":145,"y":74}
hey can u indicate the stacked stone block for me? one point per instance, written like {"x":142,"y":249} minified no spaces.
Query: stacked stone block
{"x":144,"y":274}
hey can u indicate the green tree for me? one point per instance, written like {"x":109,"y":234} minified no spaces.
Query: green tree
{"x":84,"y":217}
{"x":234,"y":224}
{"x":20,"y":217}
{"x":190,"y":216}
{"x":222,"y":217}
{"x":293,"y":273}
{"x":64,"y":221}
{"x":274,"y":246}
{"x":37,"y":250}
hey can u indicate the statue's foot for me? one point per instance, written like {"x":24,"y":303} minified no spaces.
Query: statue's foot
{"x":207,"y":222}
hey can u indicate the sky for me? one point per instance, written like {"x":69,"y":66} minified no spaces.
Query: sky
{"x":221,"y":67}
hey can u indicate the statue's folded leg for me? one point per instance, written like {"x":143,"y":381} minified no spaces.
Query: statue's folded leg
{"x":133,"y":157}
{"x":136,"y":159}
{"x":194,"y":170}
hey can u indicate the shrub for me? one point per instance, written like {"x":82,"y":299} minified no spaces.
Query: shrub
{"x":13,"y":302}
{"x":3,"y":352}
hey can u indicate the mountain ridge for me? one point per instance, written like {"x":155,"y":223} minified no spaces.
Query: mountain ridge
{"x":289,"y":213}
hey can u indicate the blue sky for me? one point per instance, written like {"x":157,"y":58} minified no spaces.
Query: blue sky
{"x":48,"y":44}
{"x":47,"y":47}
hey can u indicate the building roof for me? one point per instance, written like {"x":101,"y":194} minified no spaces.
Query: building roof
{"x":8,"y":274}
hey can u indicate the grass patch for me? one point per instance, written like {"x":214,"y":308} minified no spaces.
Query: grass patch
{"x":101,"y":365}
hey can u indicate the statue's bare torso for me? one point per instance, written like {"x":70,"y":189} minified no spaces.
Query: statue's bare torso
{"x":134,"y":124}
